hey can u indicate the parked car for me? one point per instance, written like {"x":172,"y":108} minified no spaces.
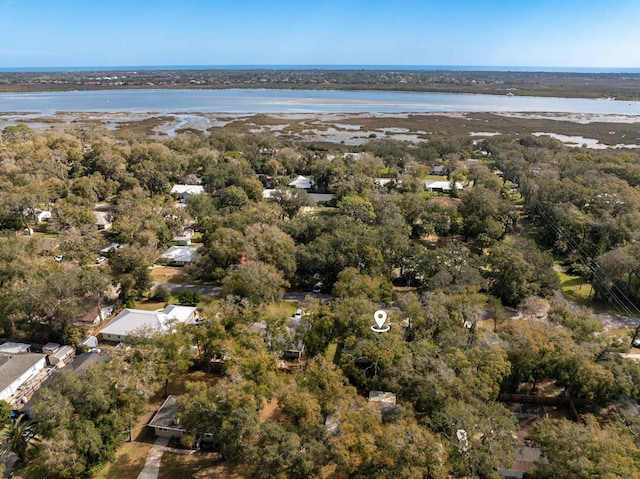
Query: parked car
{"x":59,"y":258}
{"x":636,"y":343}
{"x":317,"y":287}
{"x":101,"y":259}
{"x":298,"y":314}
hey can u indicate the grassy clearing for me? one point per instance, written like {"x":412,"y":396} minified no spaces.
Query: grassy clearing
{"x":283,"y":308}
{"x":330,"y":354}
{"x":128,"y":463}
{"x":200,"y":465}
{"x":169,"y":274}
{"x":575,"y":288}
{"x":149,"y":305}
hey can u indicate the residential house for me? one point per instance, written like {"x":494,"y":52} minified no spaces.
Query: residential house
{"x":16,"y":369}
{"x":439,"y":186}
{"x":183,"y":239}
{"x":178,"y":255}
{"x":165,"y":422}
{"x":184,"y":192}
{"x":268,"y":193}
{"x":385,"y":402}
{"x":383,"y":182}
{"x":103,"y":220}
{"x":43,"y":216}
{"x":110,"y":248}
{"x":129,"y":321}
{"x":302,"y":182}
{"x":14,"y":348}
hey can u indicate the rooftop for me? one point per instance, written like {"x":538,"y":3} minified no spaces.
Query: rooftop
{"x":166,"y":415}
{"x":13,"y":348}
{"x":12,"y":366}
{"x":130,"y":320}
{"x":188,"y":189}
{"x":180,"y":254}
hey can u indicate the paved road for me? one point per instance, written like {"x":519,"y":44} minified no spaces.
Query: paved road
{"x":205,"y":289}
{"x":611,"y":321}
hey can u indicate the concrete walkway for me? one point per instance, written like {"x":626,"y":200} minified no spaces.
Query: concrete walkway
{"x":152,"y":465}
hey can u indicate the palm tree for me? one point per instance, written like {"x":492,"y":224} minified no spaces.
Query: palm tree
{"x":18,"y":437}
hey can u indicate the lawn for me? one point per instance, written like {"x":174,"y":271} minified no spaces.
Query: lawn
{"x":283,"y":308}
{"x":330,"y":353}
{"x":200,"y":465}
{"x":149,"y":305}
{"x":575,"y":288}
{"x":169,"y":274}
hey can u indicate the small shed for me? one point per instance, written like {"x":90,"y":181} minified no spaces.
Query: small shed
{"x":50,"y":348}
{"x":62,"y":356}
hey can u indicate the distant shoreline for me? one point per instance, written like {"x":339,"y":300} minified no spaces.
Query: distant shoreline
{"x":428,"y":68}
{"x":605,"y":84}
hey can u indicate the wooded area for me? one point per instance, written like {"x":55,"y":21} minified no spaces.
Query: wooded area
{"x":451,"y":269}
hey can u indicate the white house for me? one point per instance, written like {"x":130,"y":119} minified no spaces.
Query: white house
{"x":183,"y":239}
{"x":43,"y":216}
{"x":132,"y":320}
{"x":441,"y":186}
{"x":185,"y":191}
{"x":16,"y":369}
{"x":14,"y":348}
{"x":302,"y":182}
{"x":165,"y":422}
{"x":103,"y":221}
{"x":178,"y":255}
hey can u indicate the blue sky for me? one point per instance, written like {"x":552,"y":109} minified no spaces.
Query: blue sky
{"x":571,"y":33}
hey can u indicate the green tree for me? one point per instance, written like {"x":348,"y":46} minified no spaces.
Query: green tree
{"x":271,"y":245}
{"x":575,"y":450}
{"x":352,"y":284}
{"x":358,"y":208}
{"x":517,"y":269}
{"x":259,"y":282}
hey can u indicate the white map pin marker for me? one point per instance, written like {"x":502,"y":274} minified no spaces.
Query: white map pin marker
{"x":380,"y":318}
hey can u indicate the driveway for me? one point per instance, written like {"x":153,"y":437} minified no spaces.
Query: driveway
{"x":154,"y":457}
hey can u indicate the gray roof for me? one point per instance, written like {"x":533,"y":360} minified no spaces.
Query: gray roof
{"x":166,"y":415}
{"x":13,"y":348}
{"x":12,"y":366}
{"x":188,"y":189}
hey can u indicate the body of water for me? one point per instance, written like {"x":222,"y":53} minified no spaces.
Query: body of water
{"x":299,"y":101}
